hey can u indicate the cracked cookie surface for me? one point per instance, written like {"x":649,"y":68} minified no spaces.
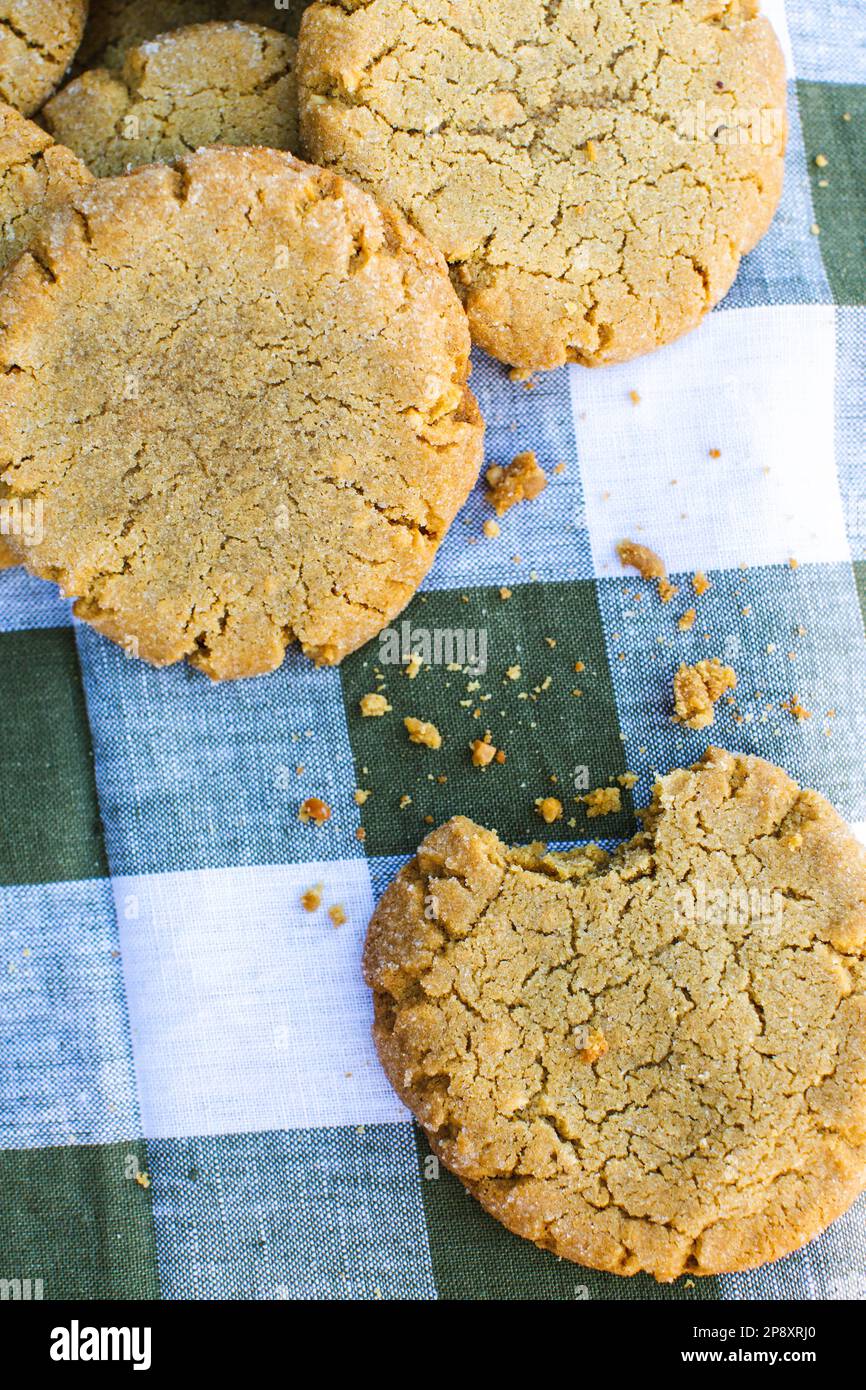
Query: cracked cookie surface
{"x":238,"y":389}
{"x":649,"y":1061}
{"x":36,"y":175}
{"x":38,"y":40}
{"x":593,"y":173}
{"x":208,"y":84}
{"x":115,"y":26}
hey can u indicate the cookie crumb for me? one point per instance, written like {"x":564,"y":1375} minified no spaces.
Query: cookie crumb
{"x":373,"y":706}
{"x":595,"y":1046}
{"x":687,"y":621}
{"x":413,"y":666}
{"x":143,"y":1180}
{"x":483,"y":751}
{"x":361,"y":796}
{"x":604,"y":801}
{"x":641,"y":558}
{"x":634,"y":397}
{"x":627,"y":780}
{"x":700,"y":583}
{"x":715,"y":453}
{"x":505,"y":595}
{"x":696,"y":690}
{"x":311,"y":901}
{"x":491,"y":529}
{"x":548,"y":808}
{"x":521,"y":481}
{"x":420,"y":731}
{"x":337,"y":915}
{"x":314,"y":809}
{"x":667,"y":590}
{"x":794,"y":707}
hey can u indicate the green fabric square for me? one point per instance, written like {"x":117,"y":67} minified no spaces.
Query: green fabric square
{"x":839,"y":186}
{"x":860,"y":581}
{"x":50,"y":828}
{"x":546,"y":731}
{"x":476,"y":1258}
{"x":77,"y":1219}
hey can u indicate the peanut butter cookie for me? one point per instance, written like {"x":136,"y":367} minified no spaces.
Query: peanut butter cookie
{"x":209,"y":84}
{"x":592,"y":172}
{"x":238,"y":389}
{"x":649,"y":1061}
{"x":115,"y":26}
{"x":38,"y":39}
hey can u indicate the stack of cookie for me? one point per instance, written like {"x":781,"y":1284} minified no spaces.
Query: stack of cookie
{"x":235,"y":389}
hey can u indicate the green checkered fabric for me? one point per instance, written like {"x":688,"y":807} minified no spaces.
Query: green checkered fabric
{"x":190,"y":1105}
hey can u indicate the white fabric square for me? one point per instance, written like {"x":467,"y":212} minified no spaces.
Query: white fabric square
{"x":247,"y":1012}
{"x":774,"y":10}
{"x":756,"y":384}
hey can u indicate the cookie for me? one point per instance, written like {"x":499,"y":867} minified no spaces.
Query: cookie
{"x":650,"y":1061}
{"x":250,"y":423}
{"x":38,"y":40}
{"x":592,"y":172}
{"x":115,"y":26}
{"x":209,"y":84}
{"x":36,"y":176}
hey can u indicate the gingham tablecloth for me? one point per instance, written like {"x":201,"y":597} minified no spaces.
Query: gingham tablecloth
{"x":190,"y":1104}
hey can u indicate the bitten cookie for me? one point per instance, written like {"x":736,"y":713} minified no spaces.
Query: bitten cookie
{"x":38,"y":40}
{"x":237,"y":388}
{"x":209,"y":84}
{"x":650,"y":1061}
{"x":36,"y":176}
{"x":592,"y":172}
{"x":115,"y":26}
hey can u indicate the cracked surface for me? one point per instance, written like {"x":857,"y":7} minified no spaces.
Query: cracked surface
{"x":38,"y":39}
{"x":585,"y":168}
{"x":35,"y":177}
{"x":208,"y":84}
{"x":114,"y":26}
{"x":239,"y":390}
{"x":719,"y":955}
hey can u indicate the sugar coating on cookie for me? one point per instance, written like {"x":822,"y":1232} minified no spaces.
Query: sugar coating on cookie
{"x":38,"y":39}
{"x":237,"y":388}
{"x":115,"y":26}
{"x":654,"y":1060}
{"x":593,"y":172}
{"x":208,"y":84}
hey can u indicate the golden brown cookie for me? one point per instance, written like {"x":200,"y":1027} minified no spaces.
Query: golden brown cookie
{"x":593,"y":172}
{"x":114,"y":26}
{"x":238,"y":389}
{"x":649,"y":1061}
{"x":35,"y":177}
{"x":209,"y":84}
{"x":38,"y":40}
